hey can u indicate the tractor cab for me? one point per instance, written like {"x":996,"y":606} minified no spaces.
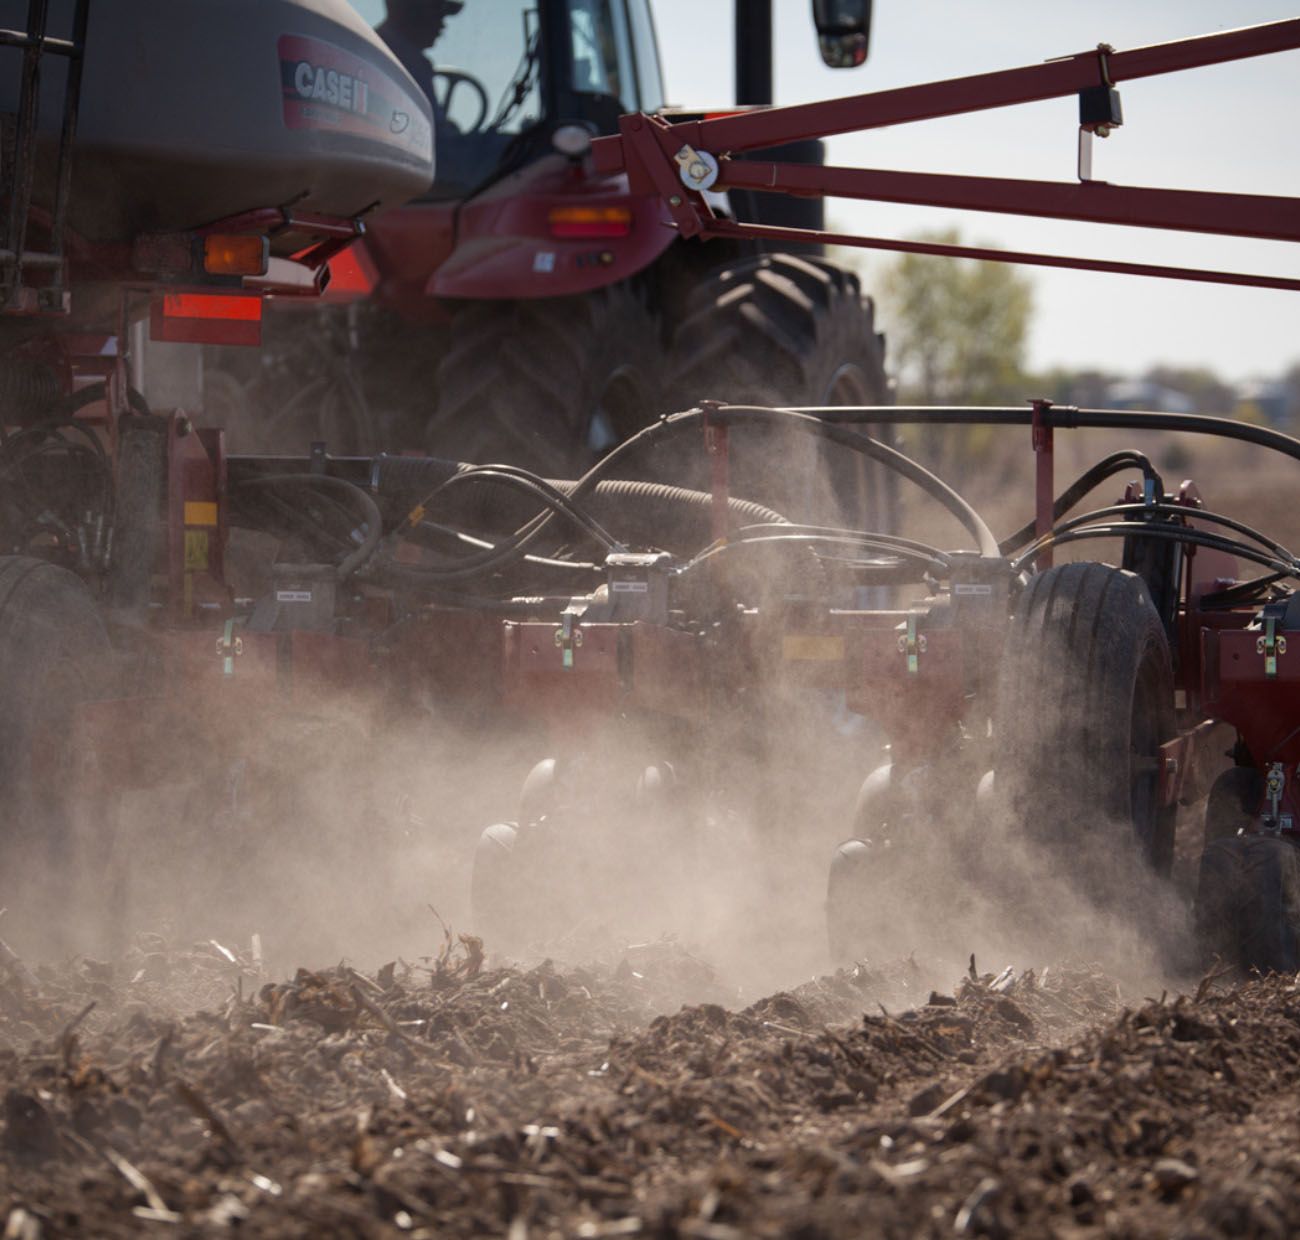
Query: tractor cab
{"x":506,"y":76}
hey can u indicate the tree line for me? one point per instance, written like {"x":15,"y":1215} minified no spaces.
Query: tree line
{"x":958,"y":330}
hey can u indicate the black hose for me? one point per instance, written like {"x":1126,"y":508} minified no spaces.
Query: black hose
{"x":1242,"y":592}
{"x":1064,"y":417}
{"x":531,"y":484}
{"x":860,"y":540}
{"x":435,"y":536}
{"x":526,"y":535}
{"x":373,"y":522}
{"x":892,"y":540}
{"x":99,"y":391}
{"x":49,"y":427}
{"x":882,"y":454}
{"x":1129,"y":529}
{"x":657,"y":496}
{"x":1173,"y":510}
{"x":1108,"y":467}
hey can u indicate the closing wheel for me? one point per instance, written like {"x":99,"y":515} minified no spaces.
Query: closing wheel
{"x":1085,"y":701}
{"x":786,"y":330}
{"x":493,"y":888}
{"x":863,"y":872}
{"x":54,"y":655}
{"x":1248,"y":903}
{"x":548,"y":383}
{"x":1233,"y":802}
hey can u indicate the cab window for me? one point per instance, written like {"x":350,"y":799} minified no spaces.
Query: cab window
{"x":602,"y":51}
{"x":649,"y":75}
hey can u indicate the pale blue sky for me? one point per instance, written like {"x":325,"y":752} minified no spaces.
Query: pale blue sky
{"x":1230,"y":127}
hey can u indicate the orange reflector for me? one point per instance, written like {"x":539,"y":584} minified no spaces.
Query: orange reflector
{"x":206,"y":318}
{"x":200,"y":512}
{"x":226,"y":255}
{"x":590,"y":221}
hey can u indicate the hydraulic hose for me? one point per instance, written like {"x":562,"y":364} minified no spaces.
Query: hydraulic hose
{"x":1165,"y":533}
{"x":1170,"y":510}
{"x":373,"y":519}
{"x":891,"y":458}
{"x":1107,"y":467}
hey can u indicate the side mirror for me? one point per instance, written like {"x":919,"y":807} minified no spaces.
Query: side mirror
{"x":843,"y":31}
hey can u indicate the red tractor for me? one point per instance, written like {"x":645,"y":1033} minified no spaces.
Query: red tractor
{"x":535,"y":309}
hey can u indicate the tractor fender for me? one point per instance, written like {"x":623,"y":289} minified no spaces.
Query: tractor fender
{"x":507,"y":247}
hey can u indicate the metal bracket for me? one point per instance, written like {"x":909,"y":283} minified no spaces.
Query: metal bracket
{"x":1270,"y":644}
{"x":913,"y":645}
{"x":697,"y":169}
{"x":567,"y":637}
{"x":229,"y":648}
{"x":1274,"y":784}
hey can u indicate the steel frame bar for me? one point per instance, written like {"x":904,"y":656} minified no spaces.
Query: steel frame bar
{"x":747,"y":131}
{"x":1262,"y":216}
{"x":1200,"y":275}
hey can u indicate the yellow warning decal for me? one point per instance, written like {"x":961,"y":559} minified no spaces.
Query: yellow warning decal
{"x":196,"y":550}
{"x":812,"y":648}
{"x":200,"y":512}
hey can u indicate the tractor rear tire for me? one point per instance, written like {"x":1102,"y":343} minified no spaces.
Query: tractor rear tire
{"x":780,"y":329}
{"x":1085,"y":700}
{"x":54,"y":655}
{"x":549,"y":384}
{"x":1248,"y":903}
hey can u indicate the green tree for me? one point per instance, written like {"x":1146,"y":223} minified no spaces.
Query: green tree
{"x":957,"y":330}
{"x":957,"y":327}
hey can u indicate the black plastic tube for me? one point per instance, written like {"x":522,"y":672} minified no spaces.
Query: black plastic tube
{"x":1107,"y":467}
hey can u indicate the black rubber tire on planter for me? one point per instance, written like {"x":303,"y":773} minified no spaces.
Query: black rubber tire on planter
{"x":1248,"y":903}
{"x":785,"y":330}
{"x":1085,"y":699}
{"x":1233,"y":801}
{"x":54,"y":655}
{"x":550,"y":383}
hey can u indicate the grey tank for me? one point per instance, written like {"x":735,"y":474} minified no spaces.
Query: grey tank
{"x":195,"y":110}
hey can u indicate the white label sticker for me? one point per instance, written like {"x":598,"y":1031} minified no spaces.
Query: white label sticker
{"x":969,"y":589}
{"x":293,"y":596}
{"x":629,"y":587}
{"x":544,"y":261}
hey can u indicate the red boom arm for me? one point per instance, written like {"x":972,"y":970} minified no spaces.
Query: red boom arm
{"x":657,"y":156}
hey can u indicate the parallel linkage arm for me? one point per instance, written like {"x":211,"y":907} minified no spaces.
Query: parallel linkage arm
{"x":648,"y":148}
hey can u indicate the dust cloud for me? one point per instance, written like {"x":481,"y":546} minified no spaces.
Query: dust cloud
{"x":352,"y":835}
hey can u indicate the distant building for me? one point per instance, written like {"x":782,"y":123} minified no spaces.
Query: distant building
{"x":1147,"y":394}
{"x":1269,"y":399}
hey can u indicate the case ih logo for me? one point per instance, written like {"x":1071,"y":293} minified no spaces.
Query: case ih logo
{"x":326,"y":87}
{"x":341,"y":89}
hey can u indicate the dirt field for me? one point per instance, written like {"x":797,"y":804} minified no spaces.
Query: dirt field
{"x":440,"y":1098}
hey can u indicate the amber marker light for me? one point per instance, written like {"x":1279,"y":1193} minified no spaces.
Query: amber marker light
{"x":590,"y":221}
{"x":236,"y":255}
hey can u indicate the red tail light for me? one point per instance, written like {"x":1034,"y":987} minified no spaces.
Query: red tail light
{"x":206,"y":318}
{"x":590,"y":221}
